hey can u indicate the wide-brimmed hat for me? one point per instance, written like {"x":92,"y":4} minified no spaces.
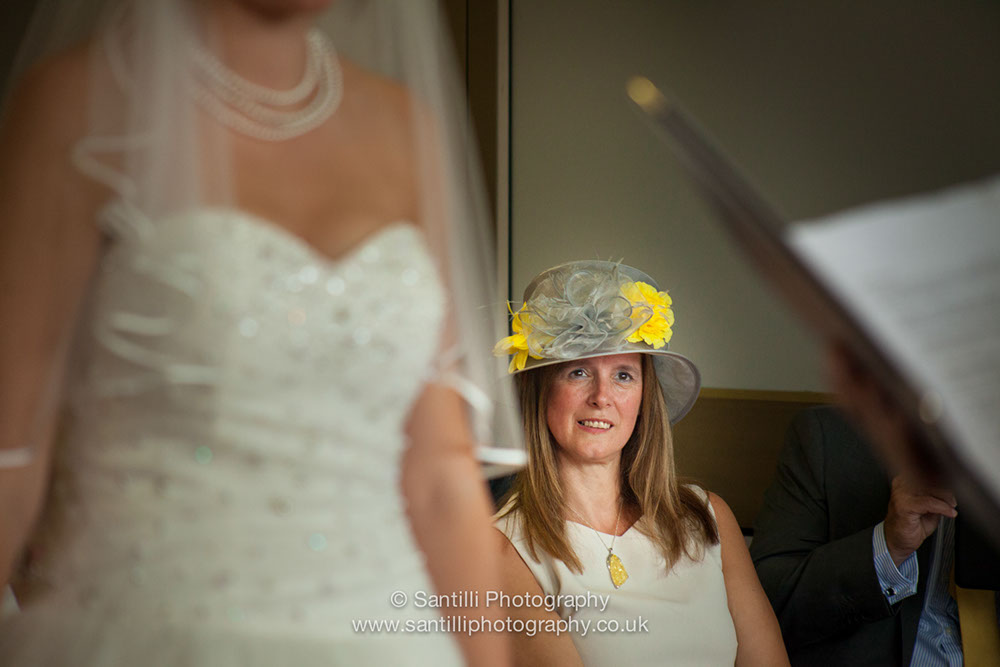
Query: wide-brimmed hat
{"x":593,"y":308}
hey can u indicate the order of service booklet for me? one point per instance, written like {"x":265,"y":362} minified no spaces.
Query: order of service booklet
{"x":911,"y":287}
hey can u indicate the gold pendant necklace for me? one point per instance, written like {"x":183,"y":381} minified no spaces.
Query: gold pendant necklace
{"x":619,"y":575}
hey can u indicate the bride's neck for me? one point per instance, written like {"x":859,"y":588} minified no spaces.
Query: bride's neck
{"x":266,"y":48}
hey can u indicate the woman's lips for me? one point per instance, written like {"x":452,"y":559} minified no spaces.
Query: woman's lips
{"x":595,"y":425}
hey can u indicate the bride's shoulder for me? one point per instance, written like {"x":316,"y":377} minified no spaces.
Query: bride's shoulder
{"x":393,"y":109}
{"x":53,"y":93}
{"x":47,"y":113}
{"x":398,"y":127}
{"x":374,"y":91}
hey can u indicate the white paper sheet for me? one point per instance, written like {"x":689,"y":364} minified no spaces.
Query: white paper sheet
{"x":923,"y":276}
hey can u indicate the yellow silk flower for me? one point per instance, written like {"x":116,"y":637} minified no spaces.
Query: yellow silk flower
{"x":516,"y":344}
{"x":656,"y":330}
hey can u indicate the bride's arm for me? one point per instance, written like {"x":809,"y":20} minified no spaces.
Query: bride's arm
{"x":450,"y":509}
{"x":48,"y":248}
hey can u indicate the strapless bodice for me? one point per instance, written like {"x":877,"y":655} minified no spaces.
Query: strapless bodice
{"x":237,"y":414}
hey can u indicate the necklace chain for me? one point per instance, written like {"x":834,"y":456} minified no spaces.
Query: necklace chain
{"x":616,"y":569}
{"x":596,"y":532}
{"x":255,"y":110}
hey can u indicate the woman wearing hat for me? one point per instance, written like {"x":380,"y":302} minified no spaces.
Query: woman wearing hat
{"x":621,"y":563}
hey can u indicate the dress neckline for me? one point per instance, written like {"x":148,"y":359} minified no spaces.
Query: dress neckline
{"x":275,"y":231}
{"x":287,"y":236}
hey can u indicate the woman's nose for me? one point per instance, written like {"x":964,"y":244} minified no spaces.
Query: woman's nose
{"x":600,"y":393}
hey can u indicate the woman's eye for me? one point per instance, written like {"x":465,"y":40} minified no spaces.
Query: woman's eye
{"x":577,"y":373}
{"x":625,"y":376}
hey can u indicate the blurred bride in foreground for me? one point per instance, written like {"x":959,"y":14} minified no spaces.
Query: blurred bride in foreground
{"x":240,"y":269}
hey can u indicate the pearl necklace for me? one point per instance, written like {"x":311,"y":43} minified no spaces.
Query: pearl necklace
{"x":255,"y":110}
{"x":619,"y":575}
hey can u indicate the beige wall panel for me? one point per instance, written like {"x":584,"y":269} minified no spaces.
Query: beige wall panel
{"x":824,"y":104}
{"x":729,"y":443}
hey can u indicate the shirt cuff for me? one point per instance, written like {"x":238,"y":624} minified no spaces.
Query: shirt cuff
{"x":896,"y":583}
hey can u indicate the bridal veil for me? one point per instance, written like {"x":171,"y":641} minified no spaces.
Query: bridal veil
{"x":150,"y":64}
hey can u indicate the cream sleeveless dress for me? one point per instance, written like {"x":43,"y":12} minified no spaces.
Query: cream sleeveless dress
{"x":226,"y":488}
{"x":680,"y":617}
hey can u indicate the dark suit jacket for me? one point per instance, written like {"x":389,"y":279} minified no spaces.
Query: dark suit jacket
{"x":812,"y":547}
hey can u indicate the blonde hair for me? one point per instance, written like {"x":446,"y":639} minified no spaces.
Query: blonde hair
{"x":673,"y":515}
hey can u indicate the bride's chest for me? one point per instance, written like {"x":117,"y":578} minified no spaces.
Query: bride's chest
{"x":223,"y":293}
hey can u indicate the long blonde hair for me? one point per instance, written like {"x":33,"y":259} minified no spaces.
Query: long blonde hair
{"x":673,"y":515}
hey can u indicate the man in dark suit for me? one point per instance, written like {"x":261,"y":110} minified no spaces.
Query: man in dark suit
{"x":842,"y":551}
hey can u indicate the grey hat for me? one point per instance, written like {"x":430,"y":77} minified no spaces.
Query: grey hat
{"x":593,"y":308}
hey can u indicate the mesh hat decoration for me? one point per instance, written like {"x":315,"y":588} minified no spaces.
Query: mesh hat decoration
{"x":594,"y":308}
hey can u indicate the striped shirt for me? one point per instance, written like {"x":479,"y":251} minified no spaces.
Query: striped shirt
{"x":938,"y":640}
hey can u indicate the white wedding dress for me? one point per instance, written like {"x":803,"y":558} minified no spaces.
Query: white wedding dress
{"x":226,"y":484}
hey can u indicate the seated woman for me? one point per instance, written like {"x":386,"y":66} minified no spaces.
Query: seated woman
{"x":637,"y":568}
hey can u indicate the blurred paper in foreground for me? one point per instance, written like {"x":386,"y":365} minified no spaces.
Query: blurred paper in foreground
{"x":923,"y":276}
{"x":911,"y":287}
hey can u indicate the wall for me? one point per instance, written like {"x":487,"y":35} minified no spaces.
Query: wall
{"x":825,"y":105}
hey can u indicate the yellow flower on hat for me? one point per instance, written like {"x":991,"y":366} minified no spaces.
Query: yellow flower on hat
{"x":516,"y":344}
{"x":655,"y":330}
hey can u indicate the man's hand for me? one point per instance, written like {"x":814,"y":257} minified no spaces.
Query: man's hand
{"x":914,"y":511}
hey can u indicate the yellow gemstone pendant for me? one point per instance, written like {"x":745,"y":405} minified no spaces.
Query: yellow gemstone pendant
{"x":618,"y":574}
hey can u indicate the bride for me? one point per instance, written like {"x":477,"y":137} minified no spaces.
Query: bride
{"x":240,"y":268}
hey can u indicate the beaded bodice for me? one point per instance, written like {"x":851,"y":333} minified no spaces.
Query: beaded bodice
{"x":237,"y":422}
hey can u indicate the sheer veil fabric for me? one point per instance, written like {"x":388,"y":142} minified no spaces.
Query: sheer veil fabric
{"x":232,"y":420}
{"x":149,"y":143}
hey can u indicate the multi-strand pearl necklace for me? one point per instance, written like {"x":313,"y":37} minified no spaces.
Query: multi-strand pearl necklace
{"x":258,"y":111}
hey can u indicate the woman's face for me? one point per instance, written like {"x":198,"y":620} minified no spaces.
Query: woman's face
{"x":593,"y":405}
